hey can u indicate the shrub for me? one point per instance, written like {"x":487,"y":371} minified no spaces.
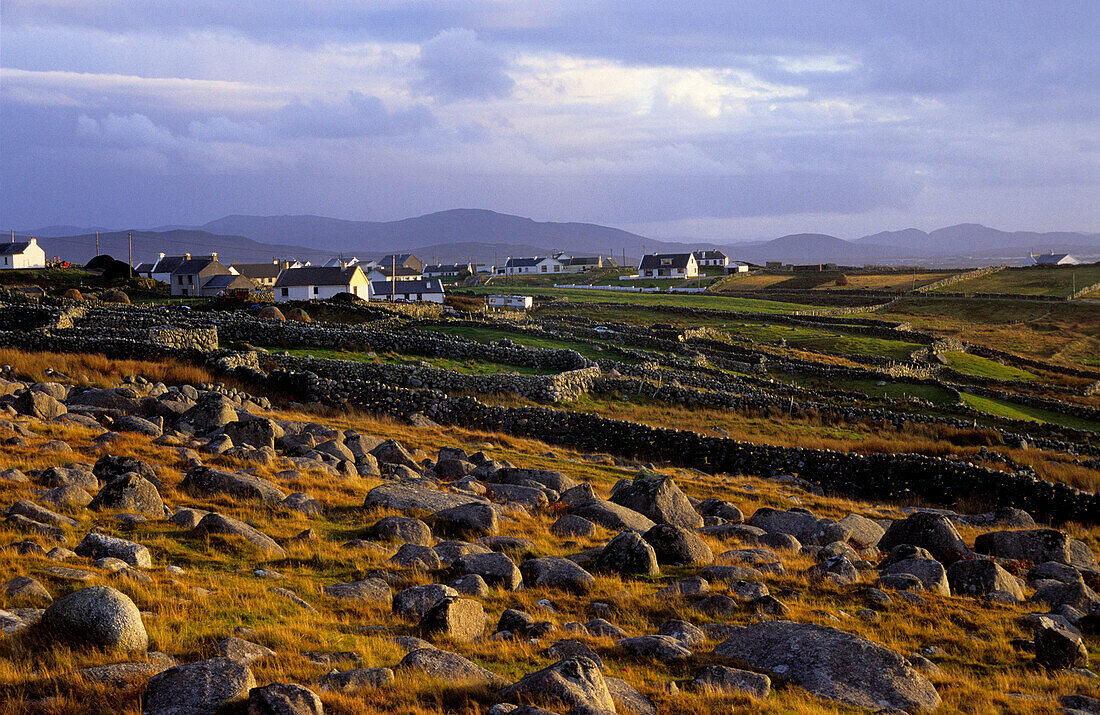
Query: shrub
{"x":842,"y":280}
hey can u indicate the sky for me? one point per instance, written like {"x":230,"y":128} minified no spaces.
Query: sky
{"x":713,"y":120}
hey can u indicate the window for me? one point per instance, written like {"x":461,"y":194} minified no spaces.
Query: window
{"x":666,"y":261}
{"x":190,"y":280}
{"x":544,"y":269}
{"x":286,"y":292}
{"x":314,"y":290}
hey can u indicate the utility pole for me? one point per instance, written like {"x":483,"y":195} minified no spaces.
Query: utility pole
{"x":13,"y":235}
{"x":393,"y":281}
{"x":97,"y":243}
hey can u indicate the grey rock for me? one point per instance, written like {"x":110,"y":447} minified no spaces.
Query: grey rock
{"x":403,"y":528}
{"x":98,"y":617}
{"x":688,"y":634}
{"x":408,"y":497}
{"x":627,"y":554}
{"x":460,"y":619}
{"x":27,"y":590}
{"x":412,"y":603}
{"x":130,"y":493}
{"x":982,"y":577}
{"x":930,"y":572}
{"x":573,"y":526}
{"x":220,"y":525}
{"x":570,"y":682}
{"x":467,"y":520}
{"x":496,"y":569}
{"x":612,"y":516}
{"x":659,"y":498}
{"x":414,"y":556}
{"x":207,"y":481}
{"x":284,"y":699}
{"x":96,"y":546}
{"x":1034,"y":545}
{"x":556,"y":572}
{"x":370,"y":590}
{"x":200,"y":688}
{"x":449,"y":667}
{"x":351,"y":681}
{"x":677,"y":546}
{"x":241,"y":650}
{"x":1058,"y":645}
{"x":659,"y":647}
{"x":731,"y":681}
{"x":928,"y":530}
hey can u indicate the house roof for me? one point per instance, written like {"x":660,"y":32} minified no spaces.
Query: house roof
{"x":168,"y":264}
{"x":401,"y":271}
{"x":654,"y":260}
{"x":384,"y":288}
{"x":1053,"y":258}
{"x":228,"y":280}
{"x":521,"y":262}
{"x":435,"y":268}
{"x":316,"y":276}
{"x":194,"y":266}
{"x":258,"y":270}
{"x":709,"y":255}
{"x":582,"y":261}
{"x":14,"y":249}
{"x":399,"y":257}
{"x":144,"y":268}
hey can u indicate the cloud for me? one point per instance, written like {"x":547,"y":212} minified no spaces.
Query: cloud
{"x":457,"y":65}
{"x":355,"y":115}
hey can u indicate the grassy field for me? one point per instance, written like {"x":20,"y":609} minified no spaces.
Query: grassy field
{"x":1068,"y":333}
{"x":984,"y":367}
{"x":469,"y":367}
{"x":705,"y":301}
{"x":823,"y":341}
{"x":897,"y":282}
{"x":488,"y":335}
{"x":891,"y":390}
{"x":1054,"y":281}
{"x":1016,"y":411}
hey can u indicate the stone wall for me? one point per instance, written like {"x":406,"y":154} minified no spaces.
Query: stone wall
{"x":200,"y":339}
{"x":959,"y":277}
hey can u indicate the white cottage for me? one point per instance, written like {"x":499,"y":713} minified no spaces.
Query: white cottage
{"x":321,"y":282}
{"x":22,"y":254}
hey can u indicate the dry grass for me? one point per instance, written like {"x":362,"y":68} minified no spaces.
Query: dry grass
{"x":100,"y":371}
{"x":980,"y":669}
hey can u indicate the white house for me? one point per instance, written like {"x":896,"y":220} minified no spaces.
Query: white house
{"x":737,"y":267}
{"x":580,"y":264}
{"x":321,"y":282}
{"x":336,"y":262}
{"x":533,"y":266}
{"x":523,"y":302}
{"x":668,"y":265}
{"x":1054,"y":259}
{"x":711,"y":258}
{"x":22,"y":254}
{"x":438,"y":270}
{"x":430,"y":290}
{"x":386,"y":273}
{"x":162,"y":268}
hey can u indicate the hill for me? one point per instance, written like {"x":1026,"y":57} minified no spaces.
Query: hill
{"x":972,"y":239}
{"x":147,"y":244}
{"x":811,"y":248}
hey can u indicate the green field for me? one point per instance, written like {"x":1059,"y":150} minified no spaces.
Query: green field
{"x":704,"y":301}
{"x":985,"y":367}
{"x":891,"y":390}
{"x":823,"y":341}
{"x":488,"y":335}
{"x":1057,"y":281}
{"x":469,"y":367}
{"x":1016,"y":411}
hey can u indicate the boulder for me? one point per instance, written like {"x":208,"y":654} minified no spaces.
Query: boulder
{"x":403,"y":528}
{"x":220,"y":525}
{"x":832,"y":665}
{"x":572,"y":526}
{"x":460,"y":619}
{"x":211,"y":413}
{"x":96,"y":617}
{"x":662,"y":648}
{"x":257,"y":433}
{"x":96,"y":546}
{"x":26,"y":590}
{"x":449,"y":667}
{"x":206,"y":481}
{"x":612,"y":516}
{"x":677,"y":546}
{"x":928,"y":530}
{"x":350,"y":681}
{"x":303,"y":503}
{"x":1034,"y":545}
{"x":409,"y":497}
{"x":627,"y":554}
{"x":392,"y":452}
{"x":130,"y":492}
{"x":1058,"y":645}
{"x":467,"y":520}
{"x":731,"y":681}
{"x":929,"y":571}
{"x":415,"y":556}
{"x":801,"y":524}
{"x":556,"y":481}
{"x":241,"y":650}
{"x":556,"y":572}
{"x":199,"y":688}
{"x":371,"y":590}
{"x":983,"y":577}
{"x":687,"y":633}
{"x":572,"y":682}
{"x":284,"y":699}
{"x":496,"y":569}
{"x":864,"y":532}
{"x":659,"y":498}
{"x":38,"y":405}
{"x":412,"y":603}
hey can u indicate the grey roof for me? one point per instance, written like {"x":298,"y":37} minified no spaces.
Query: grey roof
{"x":399,"y":257}
{"x":316,"y":276}
{"x":144,"y":268}
{"x":709,"y":255}
{"x":168,"y":264}
{"x":401,"y":270}
{"x":194,"y":266}
{"x":258,"y":270}
{"x":227,"y":280}
{"x":582,"y":261}
{"x":521,"y":262}
{"x":1053,"y":257}
{"x":384,"y":288}
{"x":653,"y":260}
{"x":13,"y":249}
{"x":436,"y":267}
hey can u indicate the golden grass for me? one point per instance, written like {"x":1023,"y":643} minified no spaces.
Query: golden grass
{"x":980,"y":669}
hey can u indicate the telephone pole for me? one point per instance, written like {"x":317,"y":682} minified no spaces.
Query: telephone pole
{"x":130,"y":250}
{"x":97,"y":243}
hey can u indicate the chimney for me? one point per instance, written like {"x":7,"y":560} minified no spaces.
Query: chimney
{"x":187,"y":256}
{"x":160,"y":256}
{"x":213,"y":256}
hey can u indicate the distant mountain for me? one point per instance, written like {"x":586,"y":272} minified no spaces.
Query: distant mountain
{"x":810,"y":248}
{"x":457,"y":226}
{"x":147,"y":244}
{"x":972,"y":239}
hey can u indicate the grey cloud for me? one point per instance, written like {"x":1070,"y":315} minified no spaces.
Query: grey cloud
{"x":357,"y":115}
{"x":457,"y":65}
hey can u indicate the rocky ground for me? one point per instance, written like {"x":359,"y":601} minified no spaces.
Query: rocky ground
{"x":181,"y":549}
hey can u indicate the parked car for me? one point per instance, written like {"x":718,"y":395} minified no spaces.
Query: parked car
{"x":603,"y":329}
